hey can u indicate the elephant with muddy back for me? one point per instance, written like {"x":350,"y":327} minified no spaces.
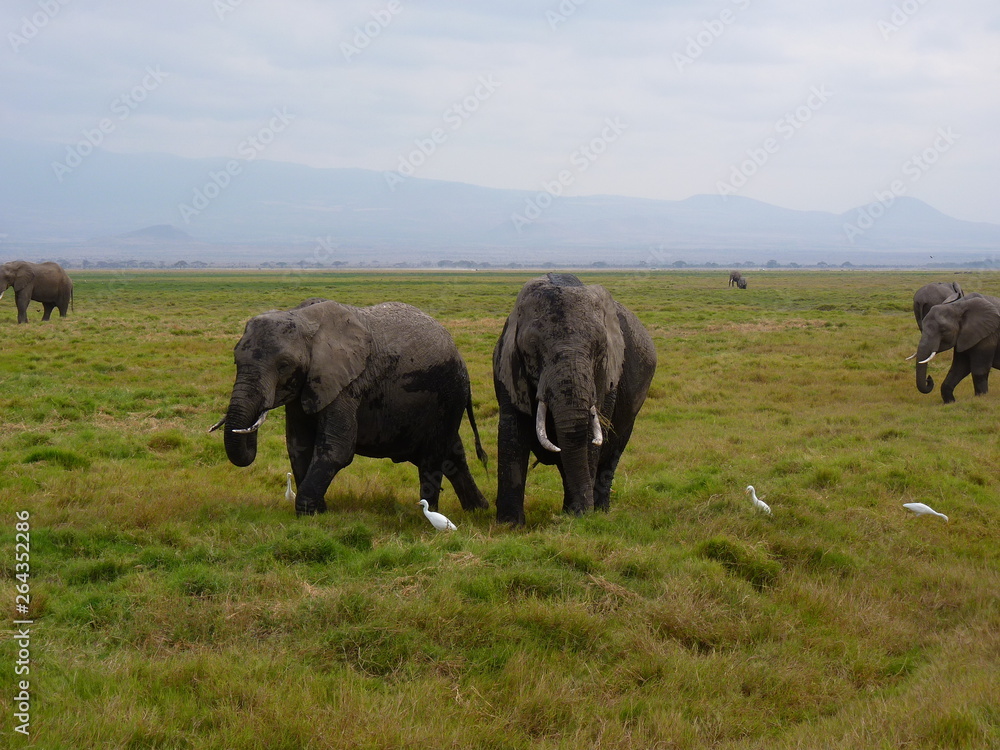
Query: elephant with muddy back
{"x":971,"y":326}
{"x":46,"y":282}
{"x":383,"y":381}
{"x":571,"y":370}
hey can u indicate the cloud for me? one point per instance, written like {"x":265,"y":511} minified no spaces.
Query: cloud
{"x":697,"y":84}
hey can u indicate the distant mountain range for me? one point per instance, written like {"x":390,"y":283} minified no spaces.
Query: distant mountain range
{"x":99,"y":204}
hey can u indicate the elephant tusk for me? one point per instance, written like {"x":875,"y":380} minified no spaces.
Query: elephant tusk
{"x":540,"y":429}
{"x":925,"y":361}
{"x":595,"y":427}
{"x":217,"y":425}
{"x":255,"y":425}
{"x":910,"y":357}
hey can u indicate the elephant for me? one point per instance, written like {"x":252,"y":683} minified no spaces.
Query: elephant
{"x":46,"y":282}
{"x":741,"y":283}
{"x":932,"y":294}
{"x":384,"y":381}
{"x":734,"y":278}
{"x":971,"y":325}
{"x":573,"y":363}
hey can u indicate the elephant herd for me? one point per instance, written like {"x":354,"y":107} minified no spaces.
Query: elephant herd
{"x":571,"y":370}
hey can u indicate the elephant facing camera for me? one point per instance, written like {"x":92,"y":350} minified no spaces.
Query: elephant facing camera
{"x":384,"y":381}
{"x":571,"y":370}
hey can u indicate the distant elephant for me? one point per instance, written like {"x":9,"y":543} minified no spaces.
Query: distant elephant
{"x":741,"y":283}
{"x":571,"y":363}
{"x":42,"y":282}
{"x":972,"y":326}
{"x":383,"y":381}
{"x":734,"y":278}
{"x":932,"y":294}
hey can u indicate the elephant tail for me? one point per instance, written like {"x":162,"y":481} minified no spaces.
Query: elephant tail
{"x":475,"y":432}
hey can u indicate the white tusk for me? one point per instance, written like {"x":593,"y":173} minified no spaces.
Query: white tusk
{"x":910,"y":357}
{"x":540,"y":429}
{"x":925,"y":361}
{"x":217,"y":425}
{"x":254,"y":426}
{"x":3,"y":293}
{"x":595,"y":427}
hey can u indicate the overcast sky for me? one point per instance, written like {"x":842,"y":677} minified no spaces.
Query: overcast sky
{"x":819,"y":105}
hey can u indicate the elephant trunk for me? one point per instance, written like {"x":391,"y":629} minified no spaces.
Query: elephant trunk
{"x":246,"y":408}
{"x":925,"y":384}
{"x":575,"y":434}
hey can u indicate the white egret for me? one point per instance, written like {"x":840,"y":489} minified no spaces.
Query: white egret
{"x":760,"y":504}
{"x":438,"y":521}
{"x":289,"y":492}
{"x":923,"y":510}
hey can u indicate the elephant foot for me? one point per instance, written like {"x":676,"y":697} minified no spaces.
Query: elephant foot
{"x":309,"y":509}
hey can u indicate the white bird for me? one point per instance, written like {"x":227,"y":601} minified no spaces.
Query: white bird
{"x":289,"y":492}
{"x":923,"y":510}
{"x":756,"y":500}
{"x":438,"y":521}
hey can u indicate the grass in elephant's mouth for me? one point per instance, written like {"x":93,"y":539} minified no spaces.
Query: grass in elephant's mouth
{"x":178,"y":602}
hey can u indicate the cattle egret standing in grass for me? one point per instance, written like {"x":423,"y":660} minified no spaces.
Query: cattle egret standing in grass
{"x":923,"y":510}
{"x":289,"y":492}
{"x":760,"y":504}
{"x":438,"y":521}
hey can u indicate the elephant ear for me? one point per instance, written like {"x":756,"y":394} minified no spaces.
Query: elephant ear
{"x":509,"y":367}
{"x":610,"y":366}
{"x":341,"y":344}
{"x":979,"y":319}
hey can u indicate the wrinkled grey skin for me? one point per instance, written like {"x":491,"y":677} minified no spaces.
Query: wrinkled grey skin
{"x":970,"y":325}
{"x":741,"y":283}
{"x":734,"y":278}
{"x":383,"y":381}
{"x":574,"y":348}
{"x":932,"y":294}
{"x":42,"y":282}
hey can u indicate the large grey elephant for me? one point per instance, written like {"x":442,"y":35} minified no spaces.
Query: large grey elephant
{"x":932,"y":294}
{"x":46,"y":282}
{"x":970,"y":325}
{"x":383,"y":381}
{"x":734,"y":278}
{"x":571,"y":370}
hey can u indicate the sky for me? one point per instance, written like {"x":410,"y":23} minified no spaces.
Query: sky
{"x":812,"y":106}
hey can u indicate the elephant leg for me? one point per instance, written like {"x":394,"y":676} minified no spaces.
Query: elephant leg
{"x":980,"y":363}
{"x":456,"y":468}
{"x":48,"y":307}
{"x":336,"y":437}
{"x":300,"y":439}
{"x":514,"y":433}
{"x":22,"y":299}
{"x":960,"y":368}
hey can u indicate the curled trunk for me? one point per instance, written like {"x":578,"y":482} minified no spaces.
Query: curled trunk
{"x":925,"y":384}
{"x":245,"y":407}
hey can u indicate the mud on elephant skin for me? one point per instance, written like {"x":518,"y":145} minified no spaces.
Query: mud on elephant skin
{"x":383,"y":381}
{"x":46,"y":282}
{"x":970,"y":325}
{"x":571,"y":370}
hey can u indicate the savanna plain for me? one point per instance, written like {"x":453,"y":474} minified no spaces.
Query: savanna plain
{"x":177,"y":602}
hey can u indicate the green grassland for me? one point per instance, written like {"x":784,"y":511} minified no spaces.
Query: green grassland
{"x":179,"y":603}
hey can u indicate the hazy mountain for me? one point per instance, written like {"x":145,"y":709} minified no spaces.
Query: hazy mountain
{"x":149,"y":204}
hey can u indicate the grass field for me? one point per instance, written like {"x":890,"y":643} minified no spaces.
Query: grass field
{"x":177,"y":602}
